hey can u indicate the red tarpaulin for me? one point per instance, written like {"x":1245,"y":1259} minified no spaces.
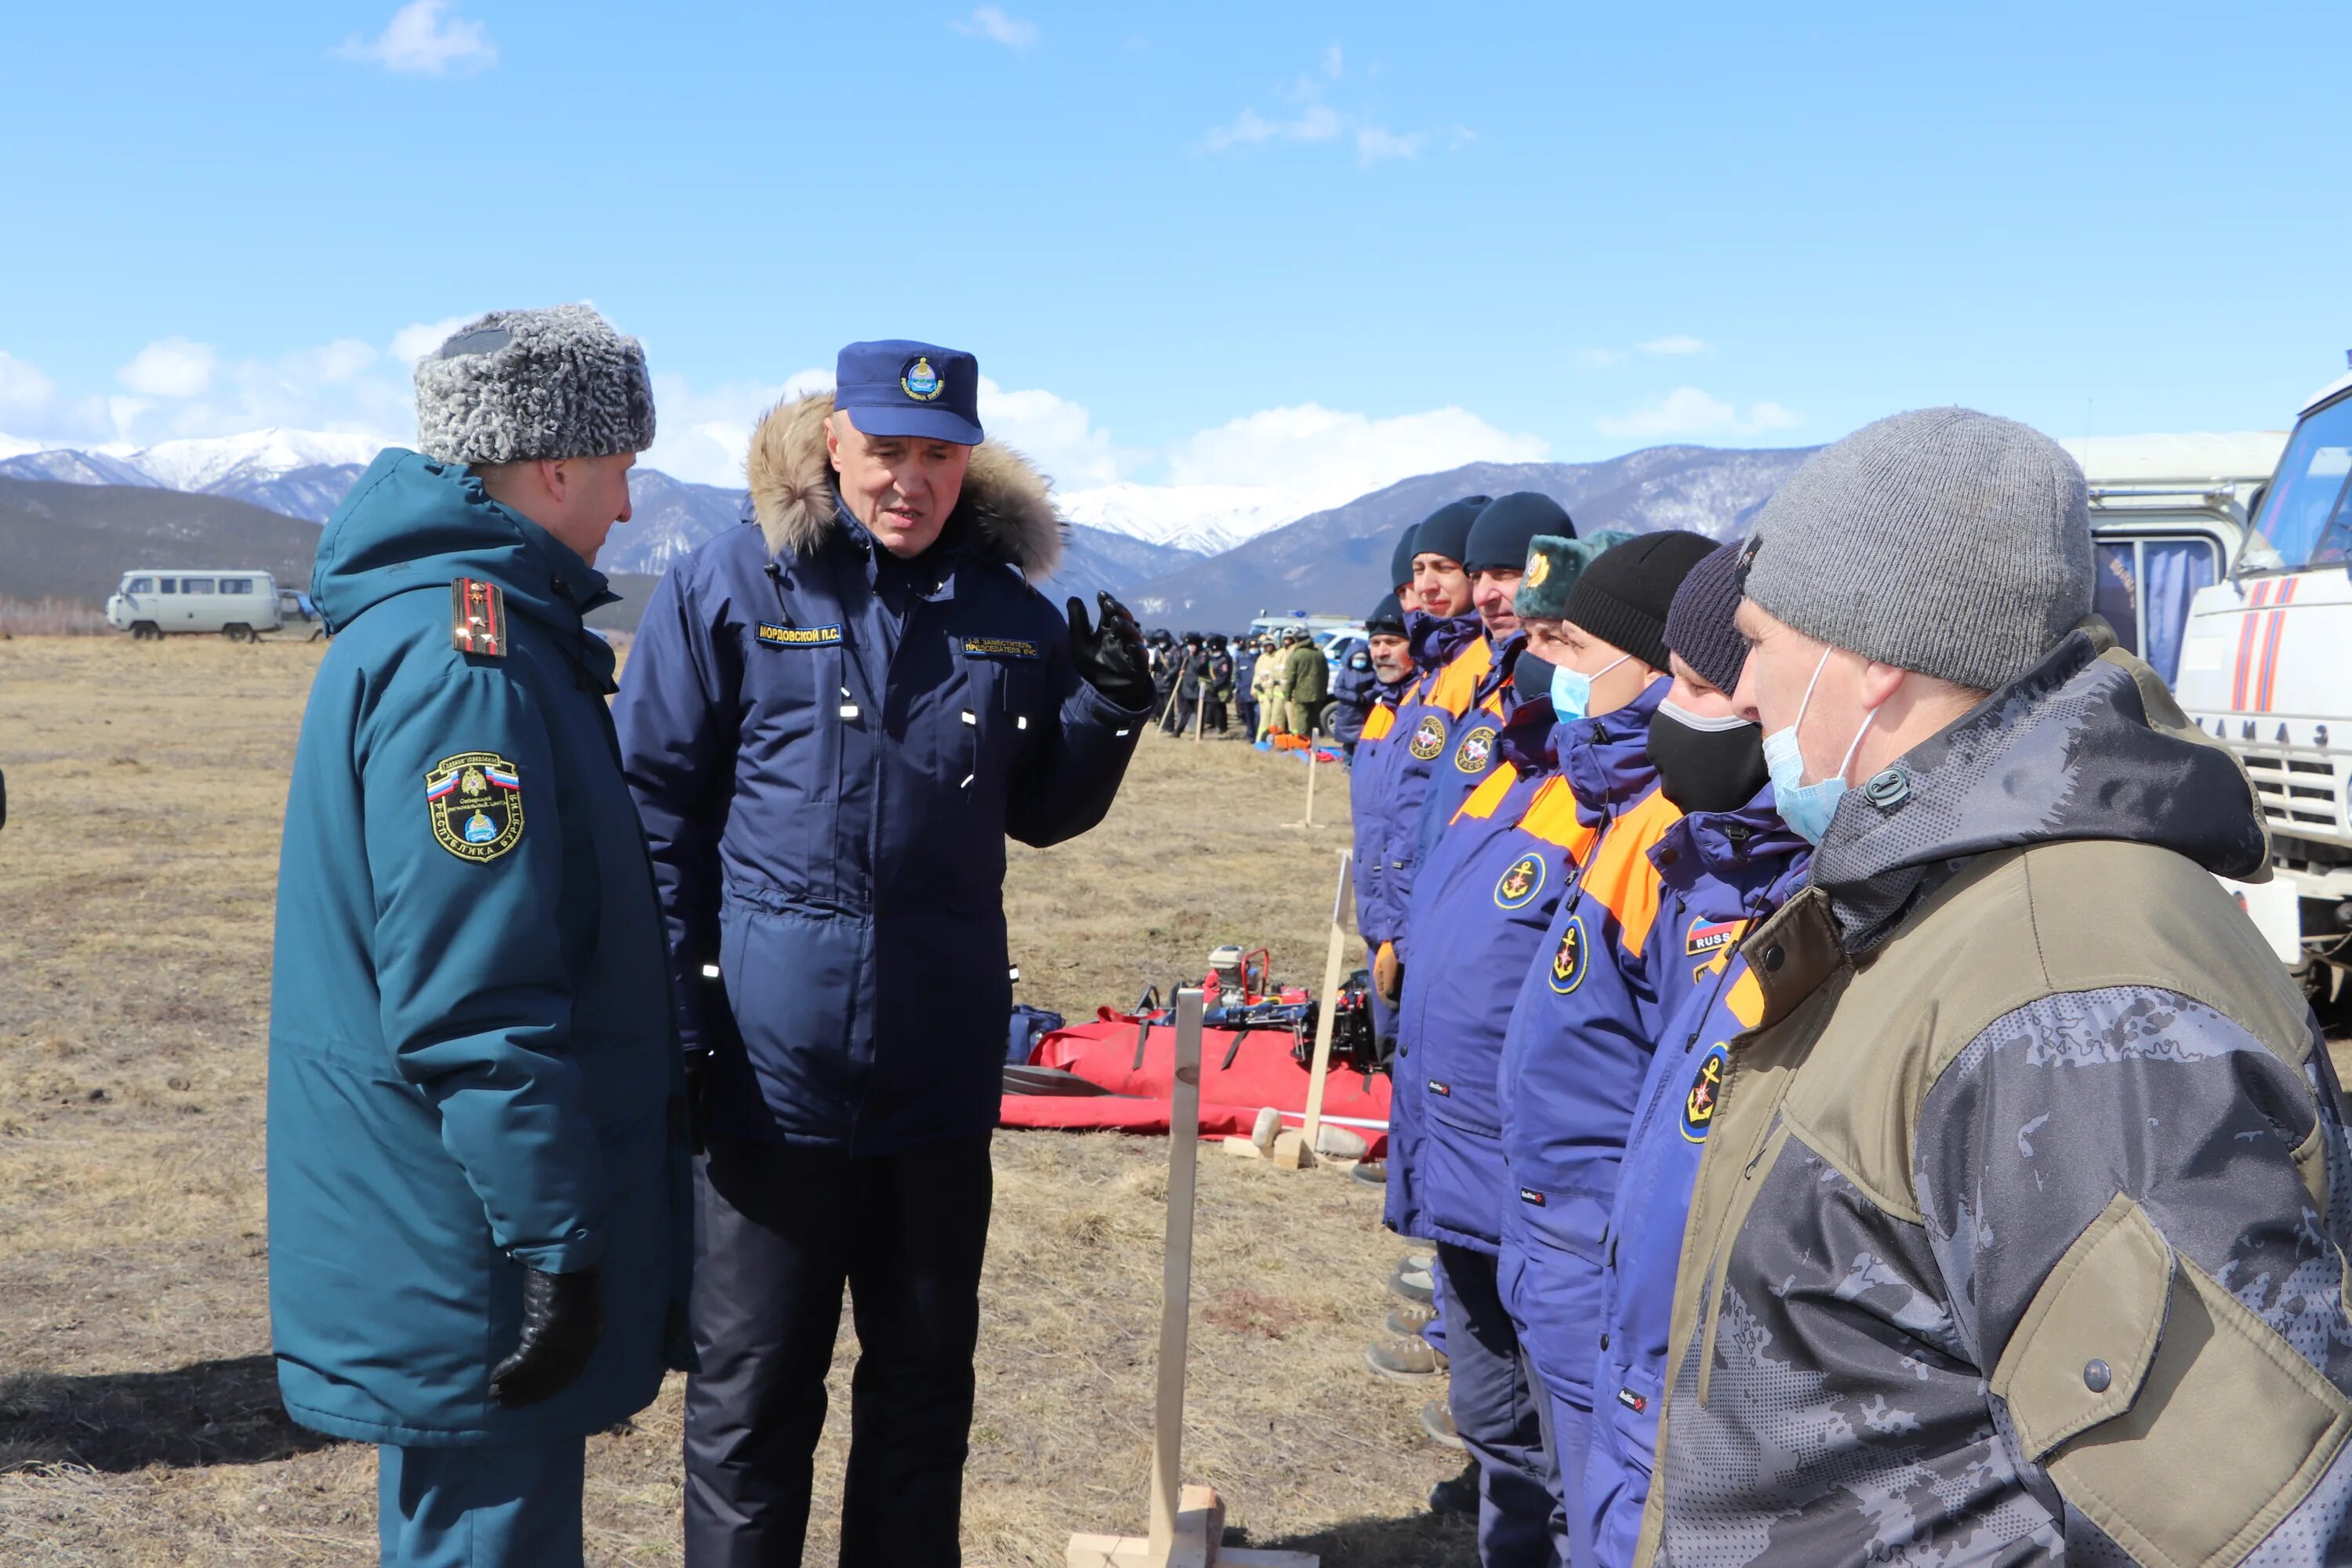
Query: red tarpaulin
{"x":1262,"y":1072}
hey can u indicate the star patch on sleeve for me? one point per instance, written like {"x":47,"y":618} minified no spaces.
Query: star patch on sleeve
{"x":475,"y":800}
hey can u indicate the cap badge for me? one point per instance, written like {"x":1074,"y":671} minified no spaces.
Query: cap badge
{"x":1538,"y":569}
{"x":921,"y":382}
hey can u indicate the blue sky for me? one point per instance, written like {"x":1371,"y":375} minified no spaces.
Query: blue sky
{"x":1206,"y":242}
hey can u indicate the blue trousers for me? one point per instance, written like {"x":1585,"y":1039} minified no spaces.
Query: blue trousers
{"x":1499,"y":1415}
{"x":1401,"y":1199}
{"x":480,"y":1508}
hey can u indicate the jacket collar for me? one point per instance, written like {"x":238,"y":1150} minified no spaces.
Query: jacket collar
{"x":1749,"y":856}
{"x":1434,"y":640}
{"x":1607,"y":759}
{"x":1005,"y":511}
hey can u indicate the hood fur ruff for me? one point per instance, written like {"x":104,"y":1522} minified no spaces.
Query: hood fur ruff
{"x":1004,"y":500}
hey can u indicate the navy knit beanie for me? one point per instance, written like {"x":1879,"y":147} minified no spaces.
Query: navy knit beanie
{"x":1622,"y":597}
{"x":1698,"y":625}
{"x":1499,"y":539}
{"x":1387,"y":618}
{"x":1446,"y":531}
{"x":1400,"y":559}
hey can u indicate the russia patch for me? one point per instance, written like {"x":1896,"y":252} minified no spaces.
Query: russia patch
{"x":1632,"y":1401}
{"x":1445,"y":1090}
{"x":1529,"y":1196}
{"x":774,"y":636}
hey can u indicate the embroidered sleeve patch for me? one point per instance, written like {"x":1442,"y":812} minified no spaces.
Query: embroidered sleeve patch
{"x":475,"y":800}
{"x":1001,"y":647}
{"x":774,"y":636}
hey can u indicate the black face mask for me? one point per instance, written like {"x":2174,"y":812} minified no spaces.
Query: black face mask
{"x":1706,"y":770}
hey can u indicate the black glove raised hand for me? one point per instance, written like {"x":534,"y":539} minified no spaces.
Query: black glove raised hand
{"x":1110,"y":657}
{"x":562,"y":1319}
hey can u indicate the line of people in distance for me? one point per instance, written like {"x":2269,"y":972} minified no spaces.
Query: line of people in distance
{"x":1855,"y":1122}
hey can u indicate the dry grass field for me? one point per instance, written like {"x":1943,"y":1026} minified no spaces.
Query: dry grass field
{"x":139,"y":1422}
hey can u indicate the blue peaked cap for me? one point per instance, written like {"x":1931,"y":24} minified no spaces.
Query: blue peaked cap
{"x":899,"y":387}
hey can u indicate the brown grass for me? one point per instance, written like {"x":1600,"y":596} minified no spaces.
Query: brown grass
{"x":137,"y":1419}
{"x":51,"y":618}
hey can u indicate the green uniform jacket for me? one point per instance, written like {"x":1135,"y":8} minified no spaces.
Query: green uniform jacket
{"x":1305,"y":676}
{"x":471,"y":1061}
{"x":2019,"y":1234}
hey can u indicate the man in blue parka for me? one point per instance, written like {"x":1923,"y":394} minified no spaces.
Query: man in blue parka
{"x":1726,"y":866}
{"x":1370,"y":796}
{"x":1579,"y":1039}
{"x":832,"y":720}
{"x":477,"y":1223}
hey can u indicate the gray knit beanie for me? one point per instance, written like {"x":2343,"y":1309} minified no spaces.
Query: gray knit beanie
{"x":515,"y":386}
{"x":1943,"y":541}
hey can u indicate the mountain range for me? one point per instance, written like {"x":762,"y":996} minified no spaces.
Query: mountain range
{"x":1195,"y":556}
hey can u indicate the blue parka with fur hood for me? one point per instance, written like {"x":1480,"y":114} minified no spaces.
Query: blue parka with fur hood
{"x":471,"y":1064}
{"x":829,"y":746}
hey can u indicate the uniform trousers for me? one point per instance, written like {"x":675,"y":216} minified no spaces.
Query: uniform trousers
{"x":1499,"y":1416}
{"x":481,"y":1507}
{"x":1246,"y":706}
{"x":780,"y":1231}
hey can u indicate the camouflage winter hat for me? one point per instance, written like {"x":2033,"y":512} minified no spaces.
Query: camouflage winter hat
{"x":515,"y":386}
{"x":1554,"y":563}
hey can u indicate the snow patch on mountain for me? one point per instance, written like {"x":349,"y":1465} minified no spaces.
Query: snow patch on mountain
{"x":1207,"y":520}
{"x":257,"y":456}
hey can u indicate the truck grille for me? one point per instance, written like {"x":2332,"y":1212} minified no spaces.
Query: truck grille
{"x":2299,"y":790}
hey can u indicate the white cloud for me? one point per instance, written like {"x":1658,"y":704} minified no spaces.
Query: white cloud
{"x":990,"y":22}
{"x":1312,"y":121}
{"x":1058,"y":435}
{"x":1680,"y":343}
{"x":1333,"y":455}
{"x":170,"y":367}
{"x":1687,"y":411}
{"x":1600,"y":359}
{"x":702,"y":436}
{"x":414,"y":342}
{"x":418,"y":42}
{"x":22,"y":387}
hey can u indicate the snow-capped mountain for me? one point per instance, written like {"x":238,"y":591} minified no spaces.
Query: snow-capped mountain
{"x":1207,"y":520}
{"x":217,"y":466}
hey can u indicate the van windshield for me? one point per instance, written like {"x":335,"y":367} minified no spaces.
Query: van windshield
{"x":2304,"y":513}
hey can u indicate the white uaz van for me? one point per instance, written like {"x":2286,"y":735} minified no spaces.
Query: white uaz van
{"x":238,"y":604}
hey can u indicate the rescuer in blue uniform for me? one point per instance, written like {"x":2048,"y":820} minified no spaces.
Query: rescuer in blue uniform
{"x":1481,"y":902}
{"x":831,"y":720}
{"x":1728,"y":864}
{"x":1581,"y":1030}
{"x":478,"y":1228}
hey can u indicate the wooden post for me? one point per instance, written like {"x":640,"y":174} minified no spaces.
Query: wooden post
{"x":1310,"y":783}
{"x":1341,"y":906}
{"x":1199,"y":708}
{"x":1176,"y":1274}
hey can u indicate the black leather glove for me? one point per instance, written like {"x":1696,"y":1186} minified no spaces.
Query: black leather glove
{"x":562,"y":1319}
{"x":1110,"y":657}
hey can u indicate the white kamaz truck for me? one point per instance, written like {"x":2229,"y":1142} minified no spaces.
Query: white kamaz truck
{"x":2265,"y":663}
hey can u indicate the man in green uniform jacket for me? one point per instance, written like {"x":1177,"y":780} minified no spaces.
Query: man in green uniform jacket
{"x":477,"y":1235}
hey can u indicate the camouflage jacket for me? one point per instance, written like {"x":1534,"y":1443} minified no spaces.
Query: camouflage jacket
{"x":2019,"y":1235}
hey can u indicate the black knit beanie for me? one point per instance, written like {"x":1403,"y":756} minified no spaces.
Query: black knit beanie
{"x":1622,"y":597}
{"x":1400,"y":559}
{"x":1446,"y":531}
{"x":1498,"y":539}
{"x":1387,"y":618}
{"x":1698,"y":625}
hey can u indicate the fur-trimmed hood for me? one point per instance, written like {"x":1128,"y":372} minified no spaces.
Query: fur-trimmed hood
{"x":1005,"y":504}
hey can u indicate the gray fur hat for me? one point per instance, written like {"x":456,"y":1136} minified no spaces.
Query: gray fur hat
{"x":1943,"y":541}
{"x":515,"y":386}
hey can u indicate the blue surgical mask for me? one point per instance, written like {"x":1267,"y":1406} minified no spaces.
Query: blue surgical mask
{"x":1808,"y":808}
{"x":1571,"y":690}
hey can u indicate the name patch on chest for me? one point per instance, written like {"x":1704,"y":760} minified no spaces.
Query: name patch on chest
{"x":774,"y":636}
{"x":1001,"y":647}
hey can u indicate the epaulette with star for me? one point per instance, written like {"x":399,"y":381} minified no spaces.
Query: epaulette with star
{"x":478,"y":617}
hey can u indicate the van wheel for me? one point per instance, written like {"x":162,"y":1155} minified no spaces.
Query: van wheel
{"x":237,"y":631}
{"x":145,"y":631}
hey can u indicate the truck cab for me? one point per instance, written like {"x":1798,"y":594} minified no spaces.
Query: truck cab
{"x":2266,"y":669}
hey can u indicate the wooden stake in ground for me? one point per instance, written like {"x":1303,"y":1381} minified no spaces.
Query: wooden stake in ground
{"x":1187,"y":1523}
{"x":1342,"y":906}
{"x":1200,"y":709}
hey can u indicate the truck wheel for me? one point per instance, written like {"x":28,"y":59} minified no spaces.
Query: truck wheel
{"x":237,"y":631}
{"x":145,"y":631}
